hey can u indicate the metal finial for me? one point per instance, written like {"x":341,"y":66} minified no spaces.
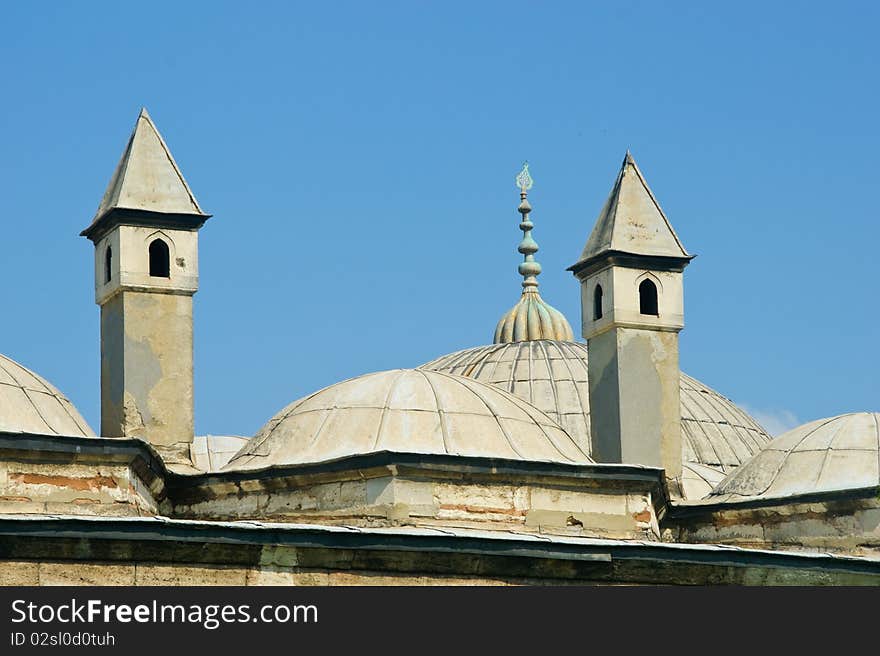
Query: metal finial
{"x":529,"y":268}
{"x":523,"y":179}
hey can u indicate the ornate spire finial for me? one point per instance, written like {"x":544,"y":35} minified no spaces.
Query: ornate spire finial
{"x":523,"y":179}
{"x":531,"y":318}
{"x":529,"y":269}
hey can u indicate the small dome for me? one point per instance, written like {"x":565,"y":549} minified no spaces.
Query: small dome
{"x":698,"y":481}
{"x":530,"y":319}
{"x":408,"y":411}
{"x":210,"y":453}
{"x":838,"y":453}
{"x":29,"y":404}
{"x":552,"y":376}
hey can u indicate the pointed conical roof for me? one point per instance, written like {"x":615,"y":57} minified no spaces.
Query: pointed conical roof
{"x":147,"y":179}
{"x":632,"y":222}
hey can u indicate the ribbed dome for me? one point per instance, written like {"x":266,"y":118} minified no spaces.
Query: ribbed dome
{"x":532,"y":319}
{"x":29,"y":404}
{"x":714,"y":430}
{"x":407,"y":411}
{"x":552,"y":376}
{"x":837,"y":453}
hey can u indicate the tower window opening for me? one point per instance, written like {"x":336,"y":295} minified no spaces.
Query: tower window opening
{"x":108,"y":264}
{"x":160,"y":260}
{"x":597,"y":303}
{"x":648,"y":298}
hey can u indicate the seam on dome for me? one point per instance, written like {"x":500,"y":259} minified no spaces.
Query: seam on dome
{"x":391,"y":388}
{"x":254,"y":444}
{"x":705,"y":398}
{"x":543,"y":348}
{"x":18,"y":385}
{"x":494,"y":416}
{"x":789,"y":451}
{"x":529,"y":348}
{"x":511,"y":376}
{"x":441,"y":413}
{"x":296,"y":404}
{"x":567,"y":363}
{"x":64,"y":403}
{"x":49,"y":390}
{"x":527,"y":409}
{"x":39,"y":412}
{"x":458,"y":360}
{"x":691,"y":403}
{"x":9,"y":373}
{"x":451,"y":361}
{"x":497,"y":362}
{"x":724,"y":411}
{"x":844,"y":424}
{"x":481,"y":360}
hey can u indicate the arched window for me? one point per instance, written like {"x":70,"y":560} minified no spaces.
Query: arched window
{"x":648,"y":298}
{"x":160,"y":265}
{"x":597,"y":303}
{"x":108,"y":265}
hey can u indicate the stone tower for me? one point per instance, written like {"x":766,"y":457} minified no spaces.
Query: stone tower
{"x":146,"y":272}
{"x":632,"y":310}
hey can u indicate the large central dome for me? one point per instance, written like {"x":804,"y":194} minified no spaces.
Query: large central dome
{"x":717,"y":436}
{"x":408,"y":411}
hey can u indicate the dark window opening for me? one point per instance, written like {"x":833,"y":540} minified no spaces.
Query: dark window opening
{"x":108,"y":265}
{"x":648,"y":298}
{"x":597,"y":303}
{"x":160,"y":260}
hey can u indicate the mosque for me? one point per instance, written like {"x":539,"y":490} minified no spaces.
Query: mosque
{"x":537,"y":459}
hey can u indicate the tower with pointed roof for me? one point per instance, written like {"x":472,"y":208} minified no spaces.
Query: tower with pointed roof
{"x":632,"y":308}
{"x":145,"y":234}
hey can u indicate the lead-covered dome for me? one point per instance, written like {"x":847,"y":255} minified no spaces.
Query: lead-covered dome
{"x":717,"y":435}
{"x":408,"y":411}
{"x":30,"y":404}
{"x":532,"y":318}
{"x":837,"y":453}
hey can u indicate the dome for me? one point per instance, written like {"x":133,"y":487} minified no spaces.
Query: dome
{"x":408,"y":411}
{"x":29,"y":404}
{"x":210,"y":453}
{"x":530,"y":319}
{"x":714,"y":430}
{"x":838,"y":453}
{"x":552,"y":376}
{"x":698,"y":481}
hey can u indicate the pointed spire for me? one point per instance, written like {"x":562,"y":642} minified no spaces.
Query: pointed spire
{"x":531,"y":318}
{"x":632,"y":222}
{"x":530,"y":269}
{"x":146,"y":180}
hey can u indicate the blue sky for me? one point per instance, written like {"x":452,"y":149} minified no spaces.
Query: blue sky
{"x":359,"y":160}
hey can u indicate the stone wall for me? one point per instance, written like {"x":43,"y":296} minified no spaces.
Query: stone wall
{"x":838,"y":523}
{"x":394,"y":500}
{"x":73,"y":489}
